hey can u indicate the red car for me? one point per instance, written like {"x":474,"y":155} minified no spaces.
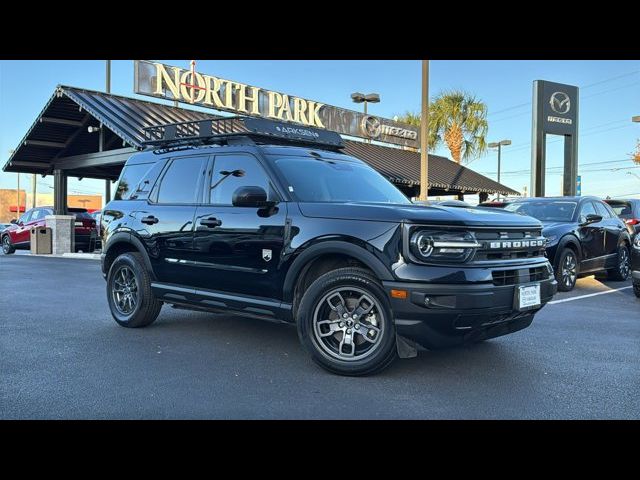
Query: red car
{"x":18,"y":234}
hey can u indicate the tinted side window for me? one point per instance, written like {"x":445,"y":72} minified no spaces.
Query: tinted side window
{"x":602,"y":210}
{"x":587,"y":209}
{"x":129,"y":179}
{"x":25,"y":216}
{"x":233,"y":171}
{"x":180,"y":181}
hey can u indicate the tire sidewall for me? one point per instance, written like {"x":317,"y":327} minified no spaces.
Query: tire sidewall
{"x":130,"y":261}
{"x":305,"y":325}
{"x":617,"y":275}
{"x":6,"y":240}
{"x":563,"y":255}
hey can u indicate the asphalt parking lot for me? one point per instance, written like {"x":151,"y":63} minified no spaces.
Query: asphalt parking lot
{"x":63,"y":357}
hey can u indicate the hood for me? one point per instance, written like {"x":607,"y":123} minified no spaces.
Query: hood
{"x":552,"y":228}
{"x":411,"y":213}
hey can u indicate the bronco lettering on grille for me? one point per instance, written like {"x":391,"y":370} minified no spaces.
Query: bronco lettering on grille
{"x":517,"y":244}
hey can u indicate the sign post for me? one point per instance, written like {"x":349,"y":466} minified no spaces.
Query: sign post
{"x":555,"y":112}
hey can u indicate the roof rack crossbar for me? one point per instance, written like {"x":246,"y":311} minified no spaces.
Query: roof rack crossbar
{"x":221,"y":130}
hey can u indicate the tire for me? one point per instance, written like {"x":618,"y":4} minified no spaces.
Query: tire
{"x":322,"y":311}
{"x":567,"y":270}
{"x":7,"y":247}
{"x":129,"y":276}
{"x":623,"y":270}
{"x":636,"y":289}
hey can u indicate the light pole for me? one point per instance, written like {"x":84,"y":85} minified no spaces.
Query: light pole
{"x":499,"y":146}
{"x":358,"y":97}
{"x":424,"y":133}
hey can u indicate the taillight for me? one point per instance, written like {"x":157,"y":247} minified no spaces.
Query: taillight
{"x":632,"y":221}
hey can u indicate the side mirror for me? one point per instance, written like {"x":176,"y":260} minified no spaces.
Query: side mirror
{"x":251,"y":196}
{"x":591,"y":218}
{"x":14,"y":221}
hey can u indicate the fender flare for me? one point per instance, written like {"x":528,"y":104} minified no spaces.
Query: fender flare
{"x":566,"y":240}
{"x":128,"y":238}
{"x":328,"y":247}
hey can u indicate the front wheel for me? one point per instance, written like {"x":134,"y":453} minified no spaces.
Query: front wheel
{"x":345,"y":323}
{"x":7,"y":248}
{"x":129,"y":294}
{"x":636,"y":289}
{"x":623,"y":269}
{"x":567,"y":271}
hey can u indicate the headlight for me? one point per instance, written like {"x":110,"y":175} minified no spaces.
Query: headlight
{"x":442,"y":246}
{"x":636,"y":242}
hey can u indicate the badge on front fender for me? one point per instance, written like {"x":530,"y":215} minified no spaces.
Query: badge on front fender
{"x":267,"y":254}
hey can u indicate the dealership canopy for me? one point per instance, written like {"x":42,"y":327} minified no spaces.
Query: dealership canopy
{"x":60,"y":142}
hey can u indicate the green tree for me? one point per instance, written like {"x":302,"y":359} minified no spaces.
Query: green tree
{"x":457,"y":119}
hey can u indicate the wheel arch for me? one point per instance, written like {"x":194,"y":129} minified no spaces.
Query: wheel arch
{"x":122,"y":242}
{"x":326,"y":256}
{"x":568,"y":241}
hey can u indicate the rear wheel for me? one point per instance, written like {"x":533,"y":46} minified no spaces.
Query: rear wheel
{"x":7,"y":247}
{"x":567,"y":271}
{"x":129,"y":292}
{"x":636,"y":289}
{"x":623,"y":270}
{"x":345,"y":323}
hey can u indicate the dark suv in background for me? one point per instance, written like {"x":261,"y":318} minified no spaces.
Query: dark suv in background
{"x":584,"y":236}
{"x":629,"y":211}
{"x":277,"y":223}
{"x":18,"y":235}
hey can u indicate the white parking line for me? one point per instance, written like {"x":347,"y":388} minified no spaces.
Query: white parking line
{"x":589,"y":295}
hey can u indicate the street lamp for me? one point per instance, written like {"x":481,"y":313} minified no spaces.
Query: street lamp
{"x":499,"y":146}
{"x":358,"y":97}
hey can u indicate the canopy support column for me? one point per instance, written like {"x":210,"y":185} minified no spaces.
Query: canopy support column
{"x":59,"y":192}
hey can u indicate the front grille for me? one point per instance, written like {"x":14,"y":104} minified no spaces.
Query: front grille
{"x":519,"y":251}
{"x":521,"y":275}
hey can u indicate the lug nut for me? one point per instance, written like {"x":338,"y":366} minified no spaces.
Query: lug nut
{"x":341,"y":324}
{"x":357,"y":327}
{"x":372,"y":333}
{"x":354,"y":316}
{"x":348,"y":330}
{"x":345,"y":315}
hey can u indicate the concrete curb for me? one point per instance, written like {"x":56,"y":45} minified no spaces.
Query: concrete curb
{"x":80,"y":256}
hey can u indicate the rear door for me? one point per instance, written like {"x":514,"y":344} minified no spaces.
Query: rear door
{"x":239,"y":248}
{"x":166,"y":223}
{"x":592,"y":239}
{"x":613,"y":227}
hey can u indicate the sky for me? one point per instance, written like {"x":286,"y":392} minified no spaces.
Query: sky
{"x":609,"y":97}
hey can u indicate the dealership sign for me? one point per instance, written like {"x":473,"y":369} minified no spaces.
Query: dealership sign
{"x":189,"y":86}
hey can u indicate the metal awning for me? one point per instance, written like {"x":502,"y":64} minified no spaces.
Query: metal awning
{"x":60,"y":139}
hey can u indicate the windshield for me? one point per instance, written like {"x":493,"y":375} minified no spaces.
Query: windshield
{"x":330,"y":180}
{"x":545,"y":211}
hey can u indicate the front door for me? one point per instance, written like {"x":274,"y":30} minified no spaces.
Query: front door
{"x":165,"y":223}
{"x":238,"y":248}
{"x":592,"y":239}
{"x":21,"y":235}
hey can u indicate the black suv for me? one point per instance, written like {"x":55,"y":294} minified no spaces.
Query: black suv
{"x":584,"y":236}
{"x":274,"y":222}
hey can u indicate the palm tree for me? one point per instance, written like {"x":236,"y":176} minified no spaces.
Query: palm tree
{"x":458,"y":119}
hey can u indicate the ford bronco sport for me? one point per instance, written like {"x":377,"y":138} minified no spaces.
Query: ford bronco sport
{"x":273,"y":221}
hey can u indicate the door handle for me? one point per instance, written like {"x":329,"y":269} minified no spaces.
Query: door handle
{"x":211,"y":222}
{"x":150,"y":220}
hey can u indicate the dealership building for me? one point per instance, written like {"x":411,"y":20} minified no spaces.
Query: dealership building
{"x":90,"y":134}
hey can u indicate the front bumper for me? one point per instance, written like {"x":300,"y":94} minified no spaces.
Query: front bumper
{"x":457,"y":314}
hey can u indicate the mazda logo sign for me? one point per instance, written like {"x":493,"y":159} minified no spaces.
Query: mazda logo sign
{"x":371,"y":126}
{"x":560,"y":103}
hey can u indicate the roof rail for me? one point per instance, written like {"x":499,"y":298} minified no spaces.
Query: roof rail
{"x":224,"y":130}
